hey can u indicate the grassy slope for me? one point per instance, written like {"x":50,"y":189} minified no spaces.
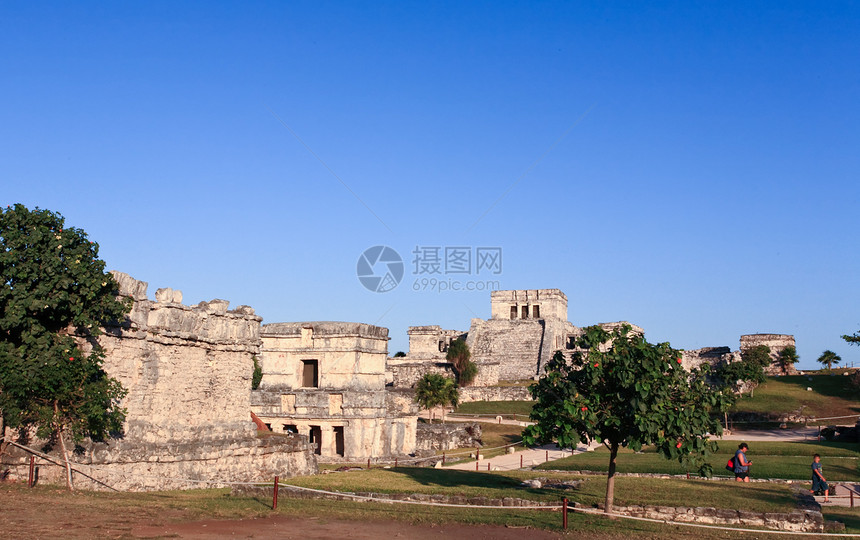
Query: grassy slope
{"x":495,"y":407}
{"x":770,"y":460}
{"x":831,"y":395}
{"x":760,"y":497}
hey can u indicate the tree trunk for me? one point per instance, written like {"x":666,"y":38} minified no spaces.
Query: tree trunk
{"x":59,"y":428}
{"x":610,"y":479}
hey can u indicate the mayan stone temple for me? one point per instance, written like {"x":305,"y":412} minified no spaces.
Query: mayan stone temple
{"x":329,"y":390}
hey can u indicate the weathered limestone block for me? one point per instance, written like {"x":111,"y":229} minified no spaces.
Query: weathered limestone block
{"x":432,"y":437}
{"x":167,"y":295}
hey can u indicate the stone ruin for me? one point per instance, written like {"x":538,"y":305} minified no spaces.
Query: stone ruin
{"x":188,"y":371}
{"x":525,"y":329}
{"x":327,"y":380}
{"x":716,"y":356}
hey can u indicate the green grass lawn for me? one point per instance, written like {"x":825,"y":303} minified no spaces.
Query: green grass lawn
{"x":36,"y":512}
{"x":496,"y":407}
{"x":831,"y":395}
{"x":769,"y":460}
{"x":755,"y":497}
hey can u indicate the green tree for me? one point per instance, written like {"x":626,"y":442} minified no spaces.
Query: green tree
{"x":399,"y":354}
{"x":750,"y":368}
{"x":257,"y":374}
{"x":622,"y":391}
{"x":434,"y":390}
{"x":853,"y":339}
{"x":54,"y":298}
{"x":828,"y":358}
{"x":788,"y":357}
{"x":460,"y":356}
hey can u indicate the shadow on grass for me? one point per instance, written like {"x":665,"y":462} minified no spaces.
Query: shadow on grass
{"x":837,"y":386}
{"x":452,"y":478}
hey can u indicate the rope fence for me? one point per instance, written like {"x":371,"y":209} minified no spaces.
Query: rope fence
{"x":564,"y":507}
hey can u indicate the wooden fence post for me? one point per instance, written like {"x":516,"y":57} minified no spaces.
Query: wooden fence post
{"x":564,"y":513}
{"x":275,"y":495}
{"x":31,"y":480}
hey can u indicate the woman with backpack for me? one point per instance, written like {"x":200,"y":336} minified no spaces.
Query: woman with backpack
{"x":742,"y":466}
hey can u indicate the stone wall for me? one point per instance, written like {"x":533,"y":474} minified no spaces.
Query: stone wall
{"x":407,"y":375}
{"x":776,"y":342}
{"x":345,"y":409}
{"x":528,"y":304}
{"x":494,"y":393}
{"x":430,"y":342}
{"x":187,"y":370}
{"x":797,"y":521}
{"x":514,"y":345}
{"x":713,"y":356}
{"x":434,"y":437}
{"x":135,"y":466}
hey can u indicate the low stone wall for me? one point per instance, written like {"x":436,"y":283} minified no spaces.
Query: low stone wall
{"x":797,"y":521}
{"x":433,"y":437}
{"x":153,"y":467}
{"x":408,"y":375}
{"x":494,"y":393}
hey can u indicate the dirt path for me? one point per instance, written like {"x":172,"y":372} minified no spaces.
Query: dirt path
{"x":282,"y":527}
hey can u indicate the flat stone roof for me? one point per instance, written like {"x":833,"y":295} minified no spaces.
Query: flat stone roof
{"x":325,"y":328}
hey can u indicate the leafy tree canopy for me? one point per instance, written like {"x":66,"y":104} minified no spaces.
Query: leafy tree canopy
{"x":620,"y":390}
{"x":828,"y":358}
{"x":853,"y":339}
{"x":54,"y":289}
{"x":749,"y":369}
{"x":434,"y":390}
{"x":460,"y":356}
{"x":788,"y":357}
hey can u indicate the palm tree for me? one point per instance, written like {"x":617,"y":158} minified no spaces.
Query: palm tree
{"x":787,"y":358}
{"x":434,"y":390}
{"x":828,"y":358}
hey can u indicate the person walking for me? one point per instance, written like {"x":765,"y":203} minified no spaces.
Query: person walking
{"x":742,"y":466}
{"x":819,"y":484}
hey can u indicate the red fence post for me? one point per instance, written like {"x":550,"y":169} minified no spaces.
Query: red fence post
{"x":547,"y":455}
{"x":275,"y":495}
{"x":488,"y":465}
{"x":521,"y":461}
{"x":32,"y":478}
{"x":476,"y":464}
{"x":477,"y":453}
{"x":368,"y":463}
{"x":443,"y":458}
{"x":395,"y":463}
{"x":564,"y":513}
{"x":851,"y":492}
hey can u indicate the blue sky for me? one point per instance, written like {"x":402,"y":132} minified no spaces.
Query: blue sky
{"x":690,"y":167}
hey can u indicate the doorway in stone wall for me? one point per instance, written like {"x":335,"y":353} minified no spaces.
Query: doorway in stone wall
{"x":339,"y":446}
{"x":315,"y":436}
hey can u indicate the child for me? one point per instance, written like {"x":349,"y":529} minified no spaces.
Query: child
{"x":818,"y":483}
{"x":742,"y":466}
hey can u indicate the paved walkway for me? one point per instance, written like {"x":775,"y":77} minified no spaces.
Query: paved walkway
{"x":840,"y":495}
{"x":524,"y":458}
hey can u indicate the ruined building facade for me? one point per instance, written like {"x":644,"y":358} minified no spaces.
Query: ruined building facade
{"x":326,"y":380}
{"x":525,"y":329}
{"x":188,"y":371}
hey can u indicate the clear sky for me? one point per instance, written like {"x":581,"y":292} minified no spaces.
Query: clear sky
{"x":690,"y":167}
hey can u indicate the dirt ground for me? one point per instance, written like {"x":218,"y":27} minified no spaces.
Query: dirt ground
{"x":54,"y":513}
{"x":319,"y":529}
